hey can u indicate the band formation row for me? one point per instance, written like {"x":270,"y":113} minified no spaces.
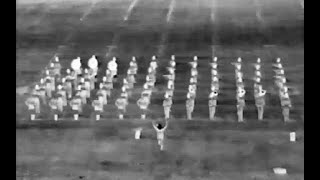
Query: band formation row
{"x":76,"y":87}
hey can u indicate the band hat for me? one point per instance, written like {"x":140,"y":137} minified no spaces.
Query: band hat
{"x":93,"y":62}
{"x":153,"y":58}
{"x":215,"y":59}
{"x":195,"y":58}
{"x":258,"y":60}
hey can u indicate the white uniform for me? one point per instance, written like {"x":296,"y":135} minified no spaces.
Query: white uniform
{"x":160,"y":134}
{"x":113,"y":67}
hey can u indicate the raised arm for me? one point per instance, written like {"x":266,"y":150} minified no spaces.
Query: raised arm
{"x":165,"y":127}
{"x":154,"y":125}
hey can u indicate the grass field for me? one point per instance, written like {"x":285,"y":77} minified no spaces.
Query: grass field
{"x":194,"y":150}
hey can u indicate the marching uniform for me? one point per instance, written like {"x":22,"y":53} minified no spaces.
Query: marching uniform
{"x":213,"y":96}
{"x":76,"y":104}
{"x":285,"y":104}
{"x":76,"y":66}
{"x":167,"y":103}
{"x":143,"y":104}
{"x":113,"y":67}
{"x":93,"y":64}
{"x":189,"y":107}
{"x":193,"y":80}
{"x":241,"y":103}
{"x":97,"y":105}
{"x":121,"y":104}
{"x":130,"y":81}
{"x":56,"y":67}
{"x":83,"y":91}
{"x":153,"y":64}
{"x":169,"y":92}
{"x":42,"y":94}
{"x":194,"y":72}
{"x":49,"y":84}
{"x":160,"y":133}
{"x":260,"y":101}
{"x":62,"y":92}
{"x":33,"y":104}
{"x":104,"y":93}
{"x":192,"y":91}
{"x":87,"y":86}
{"x":68,"y":85}
{"x":56,"y":104}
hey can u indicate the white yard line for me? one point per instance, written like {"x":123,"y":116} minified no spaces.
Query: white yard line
{"x":258,"y":5}
{"x":171,"y":9}
{"x":213,"y":11}
{"x":301,"y":4}
{"x":162,"y":46}
{"x":88,"y":11}
{"x":213,"y":50}
{"x":132,"y":5}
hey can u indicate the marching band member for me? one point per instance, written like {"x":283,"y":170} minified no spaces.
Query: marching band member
{"x":42,"y":91}
{"x":194,"y":72}
{"x":33,"y":104}
{"x":113,"y":67}
{"x":49,"y":84}
{"x":127,"y":86}
{"x":97,"y":105}
{"x":62,"y":92}
{"x":278,"y":64}
{"x":107,"y":82}
{"x":124,"y":92}
{"x":151,"y":79}
{"x":70,"y":79}
{"x":167,"y":103}
{"x":189,"y":106}
{"x":192,"y":90}
{"x":172,"y":72}
{"x":257,"y":74}
{"x":147,"y":89}
{"x":76,"y":106}
{"x":50,"y":69}
{"x":215,"y":59}
{"x":153,"y":63}
{"x":93,"y":65}
{"x":193,"y":80}
{"x":213,"y":65}
{"x":285,"y":103}
{"x":260,"y":101}
{"x":103,"y":91}
{"x":83,"y":91}
{"x":56,"y":105}
{"x":160,"y":132}
{"x":241,"y":103}
{"x":76,"y":67}
{"x":131,"y":79}
{"x":121,"y":104}
{"x":143,"y":104}
{"x":87,"y":86}
{"x":169,"y":92}
{"x":57,"y":66}
{"x":172,"y":62}
{"x":133,"y":65}
{"x":212,"y":103}
{"x":215,"y":82}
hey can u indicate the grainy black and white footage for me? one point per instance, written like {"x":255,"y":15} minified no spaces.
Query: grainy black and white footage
{"x":160,"y":89}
